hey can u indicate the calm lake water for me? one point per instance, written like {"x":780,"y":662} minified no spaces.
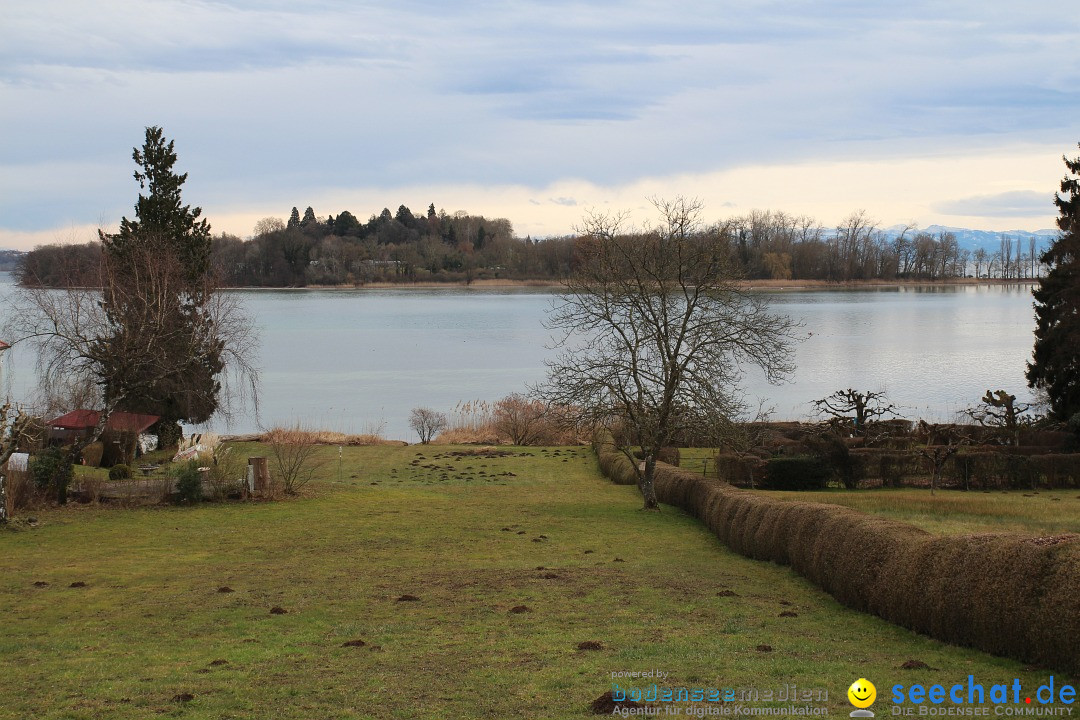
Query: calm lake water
{"x":352,"y":360}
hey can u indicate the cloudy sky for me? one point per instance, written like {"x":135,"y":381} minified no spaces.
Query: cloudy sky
{"x":953,"y":112}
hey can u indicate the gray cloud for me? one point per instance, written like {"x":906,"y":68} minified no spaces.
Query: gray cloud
{"x":1016,"y":203}
{"x":268,"y":98}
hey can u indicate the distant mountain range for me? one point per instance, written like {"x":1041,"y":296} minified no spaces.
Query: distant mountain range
{"x":988,"y":240}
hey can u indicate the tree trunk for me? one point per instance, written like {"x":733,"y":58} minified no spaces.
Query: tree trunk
{"x":646,"y":485}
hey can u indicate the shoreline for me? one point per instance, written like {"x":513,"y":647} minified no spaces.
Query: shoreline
{"x":746,"y":284}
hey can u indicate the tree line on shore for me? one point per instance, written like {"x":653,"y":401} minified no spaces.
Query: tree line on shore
{"x":437,"y":246}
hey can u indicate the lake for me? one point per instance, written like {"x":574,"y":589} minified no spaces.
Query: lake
{"x":354,"y":360}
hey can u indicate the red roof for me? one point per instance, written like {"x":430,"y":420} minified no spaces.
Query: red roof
{"x":88,"y":419}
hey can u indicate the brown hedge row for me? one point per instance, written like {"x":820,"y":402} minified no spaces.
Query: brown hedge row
{"x":1005,"y":594}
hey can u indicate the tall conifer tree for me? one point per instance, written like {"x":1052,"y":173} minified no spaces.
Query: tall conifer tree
{"x":1055,"y":363}
{"x":176,"y":234}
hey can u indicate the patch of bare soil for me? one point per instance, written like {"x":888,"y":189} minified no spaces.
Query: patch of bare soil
{"x":606,"y":704}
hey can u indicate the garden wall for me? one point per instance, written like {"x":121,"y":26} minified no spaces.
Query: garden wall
{"x":1008,"y":595}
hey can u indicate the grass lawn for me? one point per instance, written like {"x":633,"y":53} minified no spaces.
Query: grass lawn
{"x":151,"y":635}
{"x":949,"y":512}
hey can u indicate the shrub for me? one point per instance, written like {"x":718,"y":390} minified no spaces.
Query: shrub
{"x":742,"y":470}
{"x":91,"y":454}
{"x":521,"y":419}
{"x":891,"y":469}
{"x":120,"y":472}
{"x":51,"y":471}
{"x":670,"y":455}
{"x":796,"y":473}
{"x":188,"y":483}
{"x":295,"y":456}
{"x":227,"y":474}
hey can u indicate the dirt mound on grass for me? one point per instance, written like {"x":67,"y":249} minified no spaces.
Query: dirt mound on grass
{"x":606,"y":704}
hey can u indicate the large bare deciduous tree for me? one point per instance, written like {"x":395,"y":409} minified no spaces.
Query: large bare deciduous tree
{"x":655,"y":332}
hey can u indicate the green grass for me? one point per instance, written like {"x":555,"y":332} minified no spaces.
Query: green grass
{"x":948,"y":512}
{"x":150,"y":621}
{"x":955,"y":512}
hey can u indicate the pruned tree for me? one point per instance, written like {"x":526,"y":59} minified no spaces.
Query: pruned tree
{"x":655,"y":332}
{"x":942,"y":442}
{"x":520,"y":418}
{"x":427,"y":423}
{"x":999,"y":409}
{"x":856,"y":407}
{"x":1055,"y":361}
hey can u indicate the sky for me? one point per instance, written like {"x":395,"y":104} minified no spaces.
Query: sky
{"x":955,"y":113}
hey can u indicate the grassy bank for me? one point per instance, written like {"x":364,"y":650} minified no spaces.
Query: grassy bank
{"x":467,"y":535}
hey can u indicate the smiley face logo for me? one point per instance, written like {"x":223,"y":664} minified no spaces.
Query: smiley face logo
{"x":862,"y":693}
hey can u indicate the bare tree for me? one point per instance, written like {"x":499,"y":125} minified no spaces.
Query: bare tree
{"x":856,"y":407}
{"x":936,"y":452}
{"x":999,"y":409}
{"x":427,"y":423}
{"x":296,"y":456}
{"x":520,"y":418}
{"x":655,"y":330}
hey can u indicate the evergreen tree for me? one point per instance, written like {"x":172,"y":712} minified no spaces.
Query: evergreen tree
{"x":294,"y":219}
{"x":160,"y":213}
{"x":1055,"y":364}
{"x":309,"y":218}
{"x":180,"y":286}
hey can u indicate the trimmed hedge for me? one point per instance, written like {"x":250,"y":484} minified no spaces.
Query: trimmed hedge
{"x":796,"y":473}
{"x":1009,"y":595}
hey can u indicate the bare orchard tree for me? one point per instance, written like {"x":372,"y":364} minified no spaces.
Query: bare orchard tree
{"x":655,"y":331}
{"x":999,"y":409}
{"x":859,"y":408}
{"x":80,"y":340}
{"x":942,"y":442}
{"x":427,"y":423}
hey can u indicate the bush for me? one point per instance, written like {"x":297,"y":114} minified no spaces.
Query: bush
{"x":670,"y":455}
{"x":51,"y":471}
{"x":745,"y":471}
{"x":91,"y":454}
{"x":892,"y":468}
{"x":796,"y":473}
{"x":119,"y":472}
{"x":188,"y":483}
{"x":296,"y":457}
